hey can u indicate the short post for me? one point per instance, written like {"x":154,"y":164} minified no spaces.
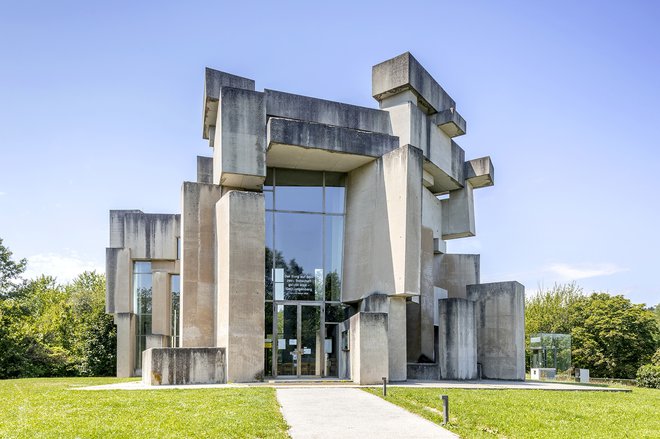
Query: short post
{"x":445,"y":409}
{"x":384,"y":386}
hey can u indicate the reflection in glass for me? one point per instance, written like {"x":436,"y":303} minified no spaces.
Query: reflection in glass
{"x":298,"y":190}
{"x":142,"y":283}
{"x":334,"y":199}
{"x":331,"y":346}
{"x":287,"y":340}
{"x":268,"y":338}
{"x":310,"y":340}
{"x":175,"y":281}
{"x":334,"y":238}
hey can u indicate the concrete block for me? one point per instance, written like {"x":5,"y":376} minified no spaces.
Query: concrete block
{"x":239,"y":153}
{"x":375,"y":303}
{"x":161,"y":304}
{"x":413,"y":331}
{"x":240,"y":219}
{"x":198,"y":264}
{"x":454,"y":272}
{"x":168,"y":366}
{"x":118,"y":293}
{"x":404,"y":73}
{"x":157,"y":341}
{"x":458,"y":213}
{"x":480,"y":172}
{"x":450,"y":122}
{"x":214,"y":80}
{"x":410,"y":125}
{"x":427,"y":297}
{"x":304,"y":108}
{"x":311,"y":140}
{"x":369,"y":353}
{"x":204,"y":170}
{"x":396,"y":339}
{"x":500,"y":321}
{"x":147,"y":235}
{"x":432,"y":217}
{"x":457,"y":340}
{"x":125,"y":344}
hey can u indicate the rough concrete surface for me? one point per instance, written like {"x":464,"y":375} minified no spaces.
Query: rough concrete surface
{"x":333,"y":413}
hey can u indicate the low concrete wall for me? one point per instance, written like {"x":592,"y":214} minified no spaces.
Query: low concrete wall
{"x":164,"y":366}
{"x":457,"y":340}
{"x":369,"y":354}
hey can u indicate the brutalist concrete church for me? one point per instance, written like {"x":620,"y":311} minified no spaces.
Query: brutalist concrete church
{"x":313,"y":245}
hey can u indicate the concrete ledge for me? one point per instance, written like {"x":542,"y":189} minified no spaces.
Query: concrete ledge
{"x":166,"y":366}
{"x":291,"y":106}
{"x":450,"y":122}
{"x":214,"y":80}
{"x":404,"y":73}
{"x":480,"y":172}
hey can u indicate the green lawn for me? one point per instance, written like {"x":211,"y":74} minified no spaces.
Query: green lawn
{"x":537,"y":413}
{"x":33,"y":408}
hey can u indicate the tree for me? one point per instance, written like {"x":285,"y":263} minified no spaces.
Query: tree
{"x":10,"y":270}
{"x":611,"y":336}
{"x":551,"y":310}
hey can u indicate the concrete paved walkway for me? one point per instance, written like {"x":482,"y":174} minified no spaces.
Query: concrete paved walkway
{"x":324,"y":412}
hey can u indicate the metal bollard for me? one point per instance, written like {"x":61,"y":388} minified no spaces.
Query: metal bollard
{"x":445,"y":409}
{"x":384,"y":386}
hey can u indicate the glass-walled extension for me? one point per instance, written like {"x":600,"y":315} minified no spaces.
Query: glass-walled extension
{"x":551,"y":350}
{"x":304,"y":245}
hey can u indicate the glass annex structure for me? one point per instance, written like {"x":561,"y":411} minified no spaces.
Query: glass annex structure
{"x":551,"y":350}
{"x":312,"y":243}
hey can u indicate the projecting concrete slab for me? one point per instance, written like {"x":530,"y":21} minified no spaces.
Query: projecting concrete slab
{"x":346,"y":412}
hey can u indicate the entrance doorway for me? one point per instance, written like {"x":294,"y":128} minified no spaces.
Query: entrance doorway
{"x":298,"y":346}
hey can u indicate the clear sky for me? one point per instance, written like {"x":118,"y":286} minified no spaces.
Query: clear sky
{"x":101,"y":105}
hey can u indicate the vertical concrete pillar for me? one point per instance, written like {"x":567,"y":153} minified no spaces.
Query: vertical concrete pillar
{"x":427,"y":297}
{"x":396,"y":339}
{"x":118,"y":294}
{"x":198,"y":264}
{"x":161,"y":304}
{"x":500,"y":322}
{"x":369,"y":357}
{"x":241,"y":284}
{"x":125,"y":344}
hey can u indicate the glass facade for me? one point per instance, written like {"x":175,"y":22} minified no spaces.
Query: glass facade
{"x":175,"y":283}
{"x":303,"y":270}
{"x":142,"y":289}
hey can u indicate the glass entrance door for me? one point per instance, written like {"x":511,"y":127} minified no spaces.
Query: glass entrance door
{"x":299,"y":340}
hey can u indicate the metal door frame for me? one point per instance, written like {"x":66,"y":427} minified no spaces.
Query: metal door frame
{"x":299,"y":304}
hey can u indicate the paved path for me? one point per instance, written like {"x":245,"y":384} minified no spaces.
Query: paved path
{"x":324,"y":412}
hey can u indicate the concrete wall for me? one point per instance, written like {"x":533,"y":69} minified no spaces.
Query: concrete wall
{"x":457,"y":340}
{"x":369,"y":356}
{"x":240,"y":266}
{"x":239,"y":153}
{"x":204,"y":169}
{"x":148,"y":235}
{"x":396,"y":339}
{"x":500,"y":321}
{"x":453,"y":272}
{"x":427,"y":298}
{"x":383,"y":226}
{"x":163,"y":366}
{"x":118,"y":293}
{"x":198,"y":264}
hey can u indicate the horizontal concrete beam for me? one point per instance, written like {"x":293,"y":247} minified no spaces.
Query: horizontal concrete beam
{"x":480,"y":172}
{"x":450,"y":122}
{"x":403,"y":73}
{"x":214,"y":80}
{"x":291,"y":106}
{"x":447,"y":168}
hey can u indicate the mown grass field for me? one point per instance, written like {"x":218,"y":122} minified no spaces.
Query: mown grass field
{"x":536,"y":413}
{"x":50,"y":408}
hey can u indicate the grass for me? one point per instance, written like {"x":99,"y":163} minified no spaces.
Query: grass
{"x":536,"y":413}
{"x":33,"y":408}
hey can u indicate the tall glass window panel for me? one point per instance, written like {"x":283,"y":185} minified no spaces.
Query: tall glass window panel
{"x":175,"y":282}
{"x":298,"y":190}
{"x":269,"y":340}
{"x":334,"y":238}
{"x":142,"y":293}
{"x":334,"y":192}
{"x":298,"y":254}
{"x":270,"y":256}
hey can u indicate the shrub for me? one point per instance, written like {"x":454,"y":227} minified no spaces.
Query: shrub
{"x":649,"y":376}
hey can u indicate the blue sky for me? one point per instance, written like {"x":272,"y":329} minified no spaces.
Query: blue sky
{"x":100,"y":108}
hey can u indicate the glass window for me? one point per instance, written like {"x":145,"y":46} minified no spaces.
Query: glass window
{"x":334,"y":238}
{"x":142,"y":289}
{"x":299,"y":247}
{"x":298,"y":190}
{"x":175,"y":281}
{"x":334,"y":192}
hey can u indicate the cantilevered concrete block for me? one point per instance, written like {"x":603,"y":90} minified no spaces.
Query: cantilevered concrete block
{"x":241,"y":285}
{"x":214,"y":80}
{"x":480,"y":172}
{"x":314,"y":146}
{"x":457,"y":339}
{"x":304,"y":108}
{"x":404,"y":73}
{"x":368,"y":347}
{"x":147,"y":235}
{"x":118,"y":297}
{"x":458,"y":214}
{"x":432,"y":218}
{"x":239,"y":153}
{"x":500,"y":321}
{"x":450,"y":122}
{"x":167,"y":366}
{"x":161,"y":304}
{"x":204,"y":170}
{"x":453,"y":272}
{"x":198,"y":264}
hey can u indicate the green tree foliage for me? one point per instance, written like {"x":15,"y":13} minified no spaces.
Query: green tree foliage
{"x":610,"y":335}
{"x":47,"y":329}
